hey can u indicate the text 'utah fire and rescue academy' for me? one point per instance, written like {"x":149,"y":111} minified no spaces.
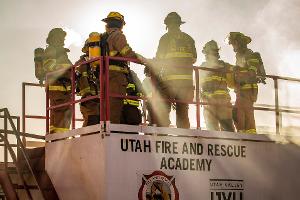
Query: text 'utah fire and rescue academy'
{"x":178,"y":155}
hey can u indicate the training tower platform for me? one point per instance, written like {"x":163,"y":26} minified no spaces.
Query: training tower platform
{"x":181,"y":164}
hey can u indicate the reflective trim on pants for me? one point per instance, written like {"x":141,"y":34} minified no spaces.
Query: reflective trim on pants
{"x":59,"y":88}
{"x":118,"y":69}
{"x":214,"y":78}
{"x":54,"y":129}
{"x":250,"y":131}
{"x":249,"y":86}
{"x":84,"y":91}
{"x":177,"y":77}
{"x":131,"y":102}
{"x":217,"y":92}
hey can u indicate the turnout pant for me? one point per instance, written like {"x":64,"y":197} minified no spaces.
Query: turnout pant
{"x":218,"y":117}
{"x":244,"y":111}
{"x":174,"y":90}
{"x":117,"y":85}
{"x":131,"y":115}
{"x":90,"y":112}
{"x":60,"y":118}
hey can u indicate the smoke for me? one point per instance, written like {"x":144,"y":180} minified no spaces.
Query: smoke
{"x":277,"y":25}
{"x":277,"y":38}
{"x":72,"y":38}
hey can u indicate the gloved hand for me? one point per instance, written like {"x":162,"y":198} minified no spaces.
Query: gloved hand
{"x":41,"y":82}
{"x":261,"y":79}
{"x":147,"y":71}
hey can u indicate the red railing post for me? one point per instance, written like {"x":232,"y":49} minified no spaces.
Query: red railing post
{"x":73,"y":96}
{"x":197,"y":98}
{"x":101,"y":88}
{"x":144,"y":98}
{"x":47,"y":106}
{"x":107,"y":93}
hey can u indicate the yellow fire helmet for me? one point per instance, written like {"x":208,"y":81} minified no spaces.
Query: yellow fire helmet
{"x":116,"y":16}
{"x":237,"y":36}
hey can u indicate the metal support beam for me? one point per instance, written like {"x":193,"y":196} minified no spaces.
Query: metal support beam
{"x":197,"y":99}
{"x":277,"y":106}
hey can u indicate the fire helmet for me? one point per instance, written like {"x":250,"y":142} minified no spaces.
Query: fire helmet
{"x":173,"y":18}
{"x":114,"y":16}
{"x":55,"y":33}
{"x":238,"y":37}
{"x":210,"y":47}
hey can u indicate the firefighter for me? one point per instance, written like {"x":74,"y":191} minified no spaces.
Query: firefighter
{"x":248,"y":72}
{"x":87,"y":83}
{"x":214,"y":89}
{"x":114,"y":43}
{"x":131,"y":114}
{"x":177,"y":52}
{"x":59,"y":85}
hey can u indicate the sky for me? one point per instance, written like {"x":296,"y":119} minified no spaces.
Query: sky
{"x":272,"y":25}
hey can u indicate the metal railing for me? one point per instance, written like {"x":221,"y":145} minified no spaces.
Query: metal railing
{"x":8,"y":149}
{"x":26,"y":116}
{"x":105,"y":94}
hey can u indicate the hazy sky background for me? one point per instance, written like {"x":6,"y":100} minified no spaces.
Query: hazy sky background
{"x":272,"y":24}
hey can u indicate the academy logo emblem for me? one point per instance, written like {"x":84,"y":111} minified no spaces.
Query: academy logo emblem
{"x":158,"y":186}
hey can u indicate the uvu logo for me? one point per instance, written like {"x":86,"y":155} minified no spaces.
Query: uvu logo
{"x":226,"y":189}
